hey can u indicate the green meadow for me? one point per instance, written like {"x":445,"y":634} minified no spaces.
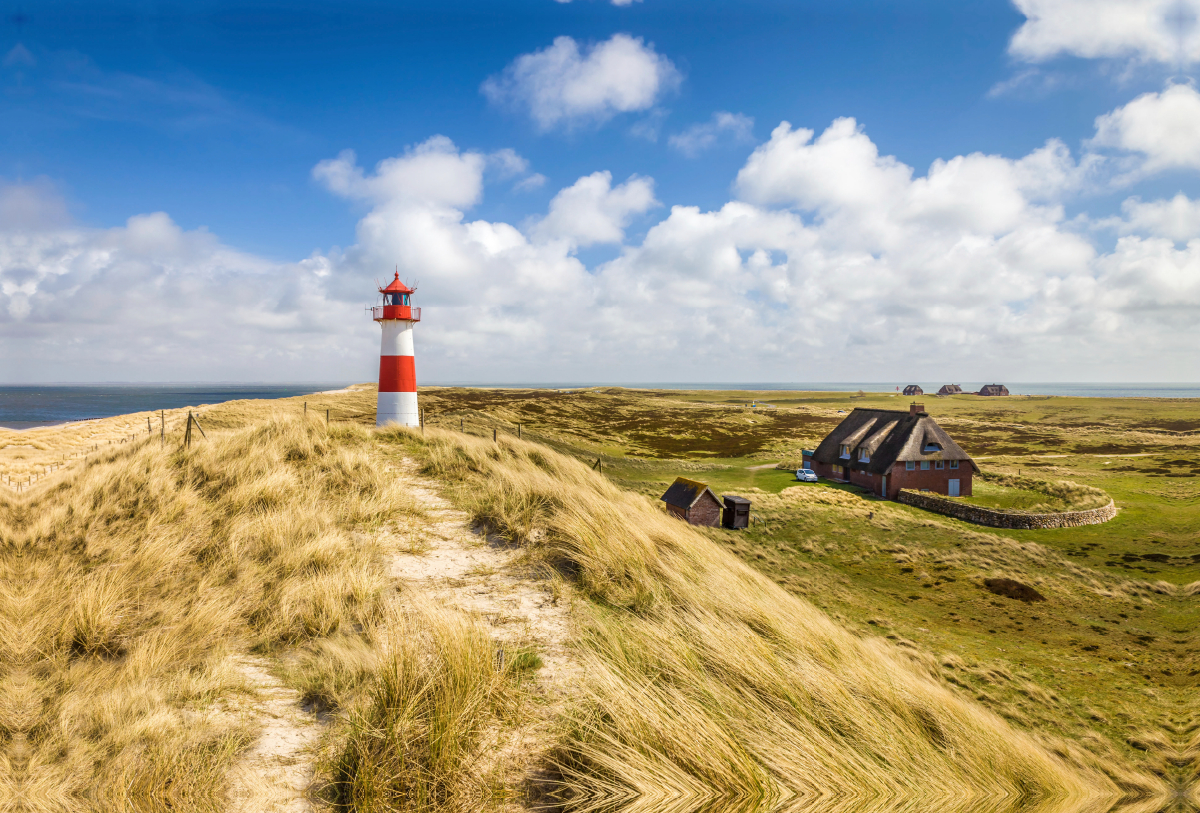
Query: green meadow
{"x":1108,"y":655}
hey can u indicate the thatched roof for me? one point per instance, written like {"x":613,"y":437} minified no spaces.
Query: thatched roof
{"x":685,"y":493}
{"x":914,"y":389}
{"x":993,"y":389}
{"x":950,"y":389}
{"x":888,"y":436}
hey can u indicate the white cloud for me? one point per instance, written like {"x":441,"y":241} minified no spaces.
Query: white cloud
{"x":838,"y":262}
{"x":508,"y":162}
{"x":1161,"y":31}
{"x":592,"y":211}
{"x":432,"y":172}
{"x":535,"y":181}
{"x":739,"y":128}
{"x":1162,"y":127}
{"x":1177,"y":219}
{"x":31,"y":207}
{"x":563,"y":85}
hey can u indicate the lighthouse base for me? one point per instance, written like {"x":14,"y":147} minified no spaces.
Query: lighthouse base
{"x":397,"y":408}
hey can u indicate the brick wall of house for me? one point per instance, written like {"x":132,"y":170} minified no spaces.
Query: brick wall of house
{"x":706,"y":511}
{"x":936,"y":480}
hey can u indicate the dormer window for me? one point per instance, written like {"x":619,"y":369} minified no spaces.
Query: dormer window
{"x":932,"y":448}
{"x":845,"y":450}
{"x":864,"y":456}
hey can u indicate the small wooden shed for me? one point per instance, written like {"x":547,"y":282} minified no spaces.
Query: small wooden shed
{"x":693,"y":501}
{"x":737,"y":512}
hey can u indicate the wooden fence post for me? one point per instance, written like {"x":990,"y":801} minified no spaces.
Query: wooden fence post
{"x":518,"y":431}
{"x":187,"y":434}
{"x":493,"y":434}
{"x":327,"y":419}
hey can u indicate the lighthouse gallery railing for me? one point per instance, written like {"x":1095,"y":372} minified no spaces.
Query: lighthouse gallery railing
{"x":396,"y":312}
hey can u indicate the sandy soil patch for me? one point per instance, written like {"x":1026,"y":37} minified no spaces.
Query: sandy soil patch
{"x":273,"y":776}
{"x":462,"y":568}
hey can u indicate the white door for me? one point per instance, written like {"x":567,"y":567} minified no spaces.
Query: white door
{"x":953,"y":488}
{"x":883,"y":486}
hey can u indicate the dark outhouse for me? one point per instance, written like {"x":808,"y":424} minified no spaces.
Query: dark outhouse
{"x":737,"y":512}
{"x":693,"y":501}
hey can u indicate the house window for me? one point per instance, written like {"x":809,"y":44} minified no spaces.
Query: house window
{"x":864,"y":456}
{"x":939,"y":465}
{"x":909,"y":465}
{"x":845,"y":451}
{"x":930,"y":448}
{"x":954,"y":464}
{"x":924,"y":465}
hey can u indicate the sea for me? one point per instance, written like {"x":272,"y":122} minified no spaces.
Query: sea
{"x":29,"y":406}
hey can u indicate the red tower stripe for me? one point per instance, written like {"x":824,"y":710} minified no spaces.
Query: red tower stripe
{"x":397,"y":374}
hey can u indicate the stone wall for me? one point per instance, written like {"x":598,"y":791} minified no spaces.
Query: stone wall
{"x":1016,"y":520}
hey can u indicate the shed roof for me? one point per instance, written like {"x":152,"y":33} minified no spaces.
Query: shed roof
{"x":685,"y":493}
{"x":888,"y":436}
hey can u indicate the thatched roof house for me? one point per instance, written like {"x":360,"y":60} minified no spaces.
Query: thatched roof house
{"x":950,"y":389}
{"x":886,"y":450}
{"x":993,"y":389}
{"x":914,"y":389}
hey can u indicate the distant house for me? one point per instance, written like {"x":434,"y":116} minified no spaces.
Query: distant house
{"x":913,"y":389}
{"x":693,"y":501}
{"x":885,"y":450}
{"x":993,"y":389}
{"x":950,"y":389}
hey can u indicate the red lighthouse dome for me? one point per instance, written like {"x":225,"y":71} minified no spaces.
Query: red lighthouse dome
{"x":397,"y":302}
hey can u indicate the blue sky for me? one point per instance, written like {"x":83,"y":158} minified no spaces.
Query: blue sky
{"x":211,"y":121}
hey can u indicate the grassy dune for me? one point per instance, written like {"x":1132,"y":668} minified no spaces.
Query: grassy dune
{"x":685,"y":645}
{"x":718,"y":668}
{"x":131,"y":583}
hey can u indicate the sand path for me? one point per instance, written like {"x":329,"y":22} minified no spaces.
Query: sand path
{"x":274,"y":775}
{"x":458,"y":567}
{"x":462,"y":568}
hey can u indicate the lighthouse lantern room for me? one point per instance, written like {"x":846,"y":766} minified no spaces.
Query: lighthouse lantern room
{"x":397,"y":401}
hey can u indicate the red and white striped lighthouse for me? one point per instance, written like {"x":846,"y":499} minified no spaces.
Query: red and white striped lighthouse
{"x":397,"y":372}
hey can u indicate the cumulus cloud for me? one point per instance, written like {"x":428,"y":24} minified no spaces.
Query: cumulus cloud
{"x":592,"y":211}
{"x":1162,"y":127}
{"x":564,"y":85}
{"x":432,"y":172}
{"x":837,"y":260}
{"x":150,"y":300}
{"x":736,"y":127}
{"x":1161,"y":31}
{"x":1177,"y":219}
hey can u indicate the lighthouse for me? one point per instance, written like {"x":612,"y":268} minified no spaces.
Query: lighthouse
{"x":397,"y":373}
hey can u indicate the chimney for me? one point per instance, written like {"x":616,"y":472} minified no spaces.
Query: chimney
{"x":916,"y":409}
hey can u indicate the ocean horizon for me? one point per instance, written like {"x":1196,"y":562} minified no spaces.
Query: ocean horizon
{"x":34,"y":405}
